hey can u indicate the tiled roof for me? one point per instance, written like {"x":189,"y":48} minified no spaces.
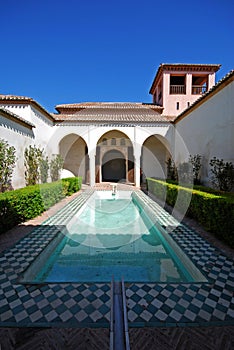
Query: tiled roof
{"x":16,"y":118}
{"x":220,"y":84}
{"x":111,"y":112}
{"x":183,"y":67}
{"x":6,"y":99}
{"x":74,"y":108}
{"x":112,"y":105}
{"x":14,"y":98}
{"x":201,"y":66}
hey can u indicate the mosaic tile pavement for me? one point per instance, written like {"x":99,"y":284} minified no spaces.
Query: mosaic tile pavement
{"x":48,"y":304}
{"x":88,"y":305}
{"x":210,"y":303}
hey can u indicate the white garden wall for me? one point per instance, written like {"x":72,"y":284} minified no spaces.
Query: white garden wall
{"x":208,"y":130}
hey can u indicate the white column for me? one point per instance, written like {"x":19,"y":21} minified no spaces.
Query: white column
{"x":92,"y":169}
{"x":137,"y":171}
{"x":189,"y":84}
{"x":211,"y":81}
{"x":100,"y":172}
{"x":126,"y":169}
{"x":137,"y":164}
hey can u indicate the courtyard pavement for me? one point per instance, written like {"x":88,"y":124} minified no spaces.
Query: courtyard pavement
{"x":155,"y":311}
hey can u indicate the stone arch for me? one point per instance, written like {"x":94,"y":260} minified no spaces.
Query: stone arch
{"x":73,"y":149}
{"x":155,"y":152}
{"x":114,"y":157}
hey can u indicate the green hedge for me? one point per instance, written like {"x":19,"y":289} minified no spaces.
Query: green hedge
{"x":27,"y":203}
{"x":74,"y":184}
{"x":214,"y":210}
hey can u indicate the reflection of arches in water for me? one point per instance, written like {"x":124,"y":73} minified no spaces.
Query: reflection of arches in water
{"x":114,"y":241}
{"x":113,"y":166}
{"x":151,"y":239}
{"x":75,"y":240}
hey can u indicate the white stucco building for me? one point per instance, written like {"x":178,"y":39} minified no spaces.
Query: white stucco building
{"x":129,"y":141}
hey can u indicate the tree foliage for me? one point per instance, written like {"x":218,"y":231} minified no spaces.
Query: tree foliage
{"x":171,"y":169}
{"x":44,"y":169}
{"x":7,"y":164}
{"x":222,"y":174}
{"x":196,"y":167}
{"x":56,"y":166}
{"x":32,"y":160}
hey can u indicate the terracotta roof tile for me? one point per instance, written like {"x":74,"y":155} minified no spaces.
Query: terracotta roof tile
{"x":116,"y":115}
{"x":107,"y":105}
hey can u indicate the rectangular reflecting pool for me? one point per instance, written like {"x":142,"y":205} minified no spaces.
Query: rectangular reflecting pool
{"x":113,"y":235}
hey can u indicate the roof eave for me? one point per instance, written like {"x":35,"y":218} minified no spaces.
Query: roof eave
{"x":26,"y":101}
{"x":106,"y":121}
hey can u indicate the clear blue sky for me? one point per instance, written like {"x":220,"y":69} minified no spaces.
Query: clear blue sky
{"x":58,"y":51}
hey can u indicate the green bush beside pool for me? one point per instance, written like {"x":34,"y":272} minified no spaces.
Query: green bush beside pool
{"x":26,"y":203}
{"x":213,"y":209}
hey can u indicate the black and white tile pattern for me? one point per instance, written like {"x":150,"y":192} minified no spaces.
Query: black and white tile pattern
{"x":83,"y":305}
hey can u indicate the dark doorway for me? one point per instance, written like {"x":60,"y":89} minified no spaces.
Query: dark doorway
{"x":113,"y":166}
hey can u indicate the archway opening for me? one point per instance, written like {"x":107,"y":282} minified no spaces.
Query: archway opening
{"x":155,"y":152}
{"x":114,"y":158}
{"x":74,"y":151}
{"x":113,"y":166}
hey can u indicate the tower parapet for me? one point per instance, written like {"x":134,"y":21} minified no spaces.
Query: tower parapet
{"x":176,"y":86}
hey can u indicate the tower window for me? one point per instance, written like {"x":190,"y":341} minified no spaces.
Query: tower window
{"x":177,"y":106}
{"x":177,"y":84}
{"x":199,"y":84}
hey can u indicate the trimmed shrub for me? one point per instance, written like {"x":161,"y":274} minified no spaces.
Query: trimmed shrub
{"x":19,"y":205}
{"x":27,"y":203}
{"x":52,"y":193}
{"x":74,"y":184}
{"x":214,"y":210}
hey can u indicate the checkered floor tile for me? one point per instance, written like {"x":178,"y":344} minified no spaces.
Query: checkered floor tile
{"x":195,"y":303}
{"x":77,"y":305}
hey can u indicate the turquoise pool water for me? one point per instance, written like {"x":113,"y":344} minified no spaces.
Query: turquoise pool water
{"x":109,"y":237}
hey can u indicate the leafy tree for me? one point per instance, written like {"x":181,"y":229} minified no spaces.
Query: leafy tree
{"x":56,"y":166}
{"x":7,"y":164}
{"x":32,"y":160}
{"x":196,"y":167}
{"x":222,"y":174}
{"x":171,"y":169}
{"x":44,"y":169}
